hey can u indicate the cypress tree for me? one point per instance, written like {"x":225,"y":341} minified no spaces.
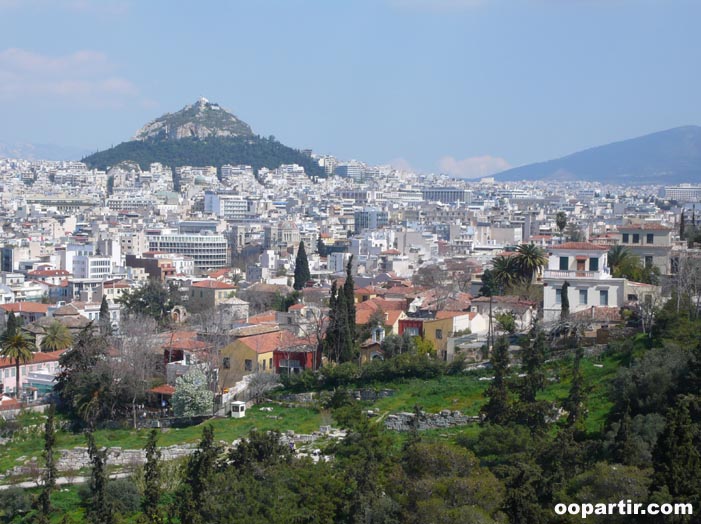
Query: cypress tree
{"x":105,"y":324}
{"x":349,"y":292}
{"x":100,"y":510}
{"x":12,"y":325}
{"x":302,"y":273}
{"x":565,"y":308}
{"x":498,"y":409}
{"x":199,"y":471}
{"x":682,"y":225}
{"x":675,"y":458}
{"x":50,"y":473}
{"x":152,"y":479}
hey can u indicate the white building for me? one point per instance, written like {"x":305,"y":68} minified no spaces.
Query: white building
{"x":584,"y":267}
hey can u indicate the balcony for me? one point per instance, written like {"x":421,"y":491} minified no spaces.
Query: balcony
{"x":561,"y":273}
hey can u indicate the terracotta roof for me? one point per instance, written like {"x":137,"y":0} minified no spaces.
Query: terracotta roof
{"x":218,"y":273}
{"x":48,"y":273}
{"x":163,"y":389}
{"x":267,"y":342}
{"x":580,"y":246}
{"x":213,"y":284}
{"x":37,"y":358}
{"x":26,"y":307}
{"x":391,"y":252}
{"x":599,"y":314}
{"x":7,"y":404}
{"x":440,"y":315}
{"x":67,"y":310}
{"x":296,"y":307}
{"x":266,"y":317}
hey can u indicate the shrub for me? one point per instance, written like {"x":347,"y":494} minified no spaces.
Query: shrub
{"x":14,"y":501}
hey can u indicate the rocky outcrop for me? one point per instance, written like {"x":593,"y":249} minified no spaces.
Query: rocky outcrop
{"x":444,"y":419}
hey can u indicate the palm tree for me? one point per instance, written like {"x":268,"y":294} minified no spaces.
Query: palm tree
{"x":505,"y":272}
{"x":618,"y":257}
{"x":57,"y":337}
{"x":529,"y":259}
{"x":19,"y":348}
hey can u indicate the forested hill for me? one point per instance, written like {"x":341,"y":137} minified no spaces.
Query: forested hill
{"x":252,"y":150}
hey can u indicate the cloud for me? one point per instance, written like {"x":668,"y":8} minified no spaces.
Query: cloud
{"x":473,"y":167}
{"x":84,"y":76}
{"x":401,"y":164}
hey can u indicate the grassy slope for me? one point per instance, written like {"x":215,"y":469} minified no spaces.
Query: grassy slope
{"x":464,"y":393}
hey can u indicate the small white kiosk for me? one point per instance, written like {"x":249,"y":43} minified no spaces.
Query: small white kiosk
{"x":238,"y":409}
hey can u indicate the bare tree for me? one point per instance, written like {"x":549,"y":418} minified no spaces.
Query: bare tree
{"x":137,"y":359}
{"x":260,"y":383}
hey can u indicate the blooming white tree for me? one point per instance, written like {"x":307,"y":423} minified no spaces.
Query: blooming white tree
{"x":192,"y":396}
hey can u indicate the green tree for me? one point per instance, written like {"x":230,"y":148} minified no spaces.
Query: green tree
{"x":561,"y":221}
{"x":56,"y":338}
{"x":152,"y":480}
{"x":13,"y":324}
{"x":497,"y":410}
{"x":349,"y":292}
{"x":531,"y":411}
{"x":338,"y":342}
{"x":302,"y":273}
{"x":43,"y":503}
{"x":619,"y":257}
{"x":565,"y":301}
{"x":198,"y":473}
{"x":19,"y":348}
{"x":100,"y":510}
{"x":105,"y":321}
{"x":676,"y":458}
{"x":192,"y":395}
{"x":154,"y":299}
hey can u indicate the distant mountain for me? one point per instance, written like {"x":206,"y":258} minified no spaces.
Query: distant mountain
{"x":202,"y":134}
{"x":668,"y":157}
{"x":27,"y":151}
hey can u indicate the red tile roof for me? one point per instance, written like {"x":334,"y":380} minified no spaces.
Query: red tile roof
{"x":213,"y":284}
{"x":267,"y":317}
{"x":48,"y":273}
{"x":26,"y":307}
{"x":163,"y":389}
{"x":267,"y":342}
{"x":37,"y":358}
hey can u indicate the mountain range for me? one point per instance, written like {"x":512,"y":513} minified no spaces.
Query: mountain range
{"x":202,"y":134}
{"x":27,"y":151}
{"x":670,"y":157}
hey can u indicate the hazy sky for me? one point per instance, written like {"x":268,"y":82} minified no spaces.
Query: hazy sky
{"x":459,"y":86}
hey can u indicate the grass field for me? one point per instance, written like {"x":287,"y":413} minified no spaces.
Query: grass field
{"x":463,"y":392}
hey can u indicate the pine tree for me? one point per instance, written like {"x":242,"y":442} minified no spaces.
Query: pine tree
{"x":498,"y":407}
{"x":50,"y":473}
{"x":302,"y":273}
{"x":682,"y":225}
{"x":532,"y":360}
{"x":152,"y":480}
{"x":100,"y":510}
{"x":624,"y":449}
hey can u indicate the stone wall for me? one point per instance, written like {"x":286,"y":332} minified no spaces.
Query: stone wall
{"x":445,"y":419}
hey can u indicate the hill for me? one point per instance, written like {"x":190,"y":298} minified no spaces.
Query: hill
{"x":668,"y":157}
{"x":27,"y":151}
{"x":202,"y":134}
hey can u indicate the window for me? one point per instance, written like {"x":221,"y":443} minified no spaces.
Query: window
{"x":263,"y":364}
{"x":439,"y":334}
{"x":650,"y":238}
{"x":558,"y":296}
{"x":648,"y":260}
{"x":270,"y":363}
{"x":226,"y":363}
{"x":636,"y":238}
{"x":564,"y":263}
{"x":248,"y":365}
{"x":626,"y":238}
{"x":604,"y":297}
{"x":582,"y":296}
{"x":593,"y":264}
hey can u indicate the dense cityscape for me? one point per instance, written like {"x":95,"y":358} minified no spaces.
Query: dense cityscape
{"x":201,"y":324}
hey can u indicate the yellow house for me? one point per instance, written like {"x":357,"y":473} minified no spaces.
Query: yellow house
{"x":437,"y":332}
{"x":247,"y":354}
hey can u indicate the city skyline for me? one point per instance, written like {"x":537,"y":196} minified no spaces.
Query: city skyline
{"x":435,"y":86}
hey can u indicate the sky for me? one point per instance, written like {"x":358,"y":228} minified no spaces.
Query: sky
{"x":464,"y":87}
